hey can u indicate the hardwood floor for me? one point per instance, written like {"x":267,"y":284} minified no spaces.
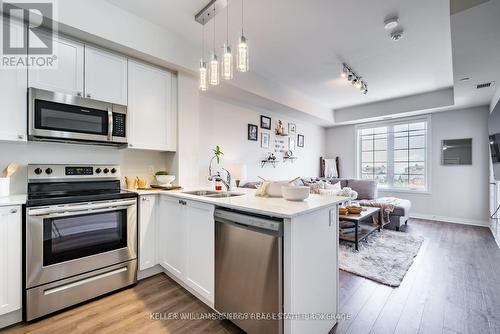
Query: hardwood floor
{"x":452,"y":287}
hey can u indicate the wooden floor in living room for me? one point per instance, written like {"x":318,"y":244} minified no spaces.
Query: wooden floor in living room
{"x":452,"y":287}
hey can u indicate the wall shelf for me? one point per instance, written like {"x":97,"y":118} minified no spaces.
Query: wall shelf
{"x":265,"y":162}
{"x":291,"y":159}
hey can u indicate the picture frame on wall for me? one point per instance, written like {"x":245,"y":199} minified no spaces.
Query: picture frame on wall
{"x":292,"y":128}
{"x":265,"y":122}
{"x":291,"y":143}
{"x":265,"y":139}
{"x":300,"y":140}
{"x":253,"y":132}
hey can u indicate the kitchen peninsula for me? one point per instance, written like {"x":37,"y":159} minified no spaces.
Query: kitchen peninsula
{"x":194,"y":236}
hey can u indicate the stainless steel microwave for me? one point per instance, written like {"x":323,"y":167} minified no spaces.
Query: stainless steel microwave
{"x":60,"y":117}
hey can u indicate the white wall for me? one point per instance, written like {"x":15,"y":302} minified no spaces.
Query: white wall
{"x":133,"y":162}
{"x":225,"y":124}
{"x":458,"y":193}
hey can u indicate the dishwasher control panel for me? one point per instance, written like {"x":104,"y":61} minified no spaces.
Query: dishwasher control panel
{"x":249,"y":220}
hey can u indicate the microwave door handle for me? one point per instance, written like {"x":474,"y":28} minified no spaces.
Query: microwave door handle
{"x":110,"y":123}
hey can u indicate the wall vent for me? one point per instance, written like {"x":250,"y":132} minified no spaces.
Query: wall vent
{"x":485,"y":85}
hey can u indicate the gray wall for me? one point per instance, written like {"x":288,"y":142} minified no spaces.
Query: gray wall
{"x":457,"y":193}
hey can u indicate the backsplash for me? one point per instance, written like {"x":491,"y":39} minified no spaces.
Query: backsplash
{"x":133,"y":162}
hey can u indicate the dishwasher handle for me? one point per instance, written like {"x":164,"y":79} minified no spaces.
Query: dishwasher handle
{"x":249,"y":221}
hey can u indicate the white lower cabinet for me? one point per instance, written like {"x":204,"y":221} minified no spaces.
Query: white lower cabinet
{"x":172,"y":235}
{"x":186,"y":243}
{"x":147,"y":231}
{"x":10,"y":259}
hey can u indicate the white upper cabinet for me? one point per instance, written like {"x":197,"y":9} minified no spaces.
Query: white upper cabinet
{"x":10,"y":259}
{"x":105,"y":76}
{"x":67,"y":74}
{"x":13,"y":88}
{"x":151,"y":109}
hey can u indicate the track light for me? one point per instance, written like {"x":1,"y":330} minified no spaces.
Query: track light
{"x":351,"y":76}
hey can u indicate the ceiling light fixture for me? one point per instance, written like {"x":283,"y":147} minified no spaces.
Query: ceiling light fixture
{"x":391,"y":23}
{"x":227,"y":58}
{"x":355,"y":79}
{"x":214,"y":63}
{"x":242,"y":60}
{"x":203,"y":64}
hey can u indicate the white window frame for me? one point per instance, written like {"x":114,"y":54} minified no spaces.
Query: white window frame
{"x":428,"y":157}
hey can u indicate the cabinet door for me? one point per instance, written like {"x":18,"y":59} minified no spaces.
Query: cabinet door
{"x":147,"y":232}
{"x":67,"y":74}
{"x":13,"y":87}
{"x":105,"y":76}
{"x":172,"y":235}
{"x":10,"y":259}
{"x":149,"y":107}
{"x":200,"y":248}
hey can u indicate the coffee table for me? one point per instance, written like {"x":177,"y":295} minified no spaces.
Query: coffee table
{"x":363,"y":230}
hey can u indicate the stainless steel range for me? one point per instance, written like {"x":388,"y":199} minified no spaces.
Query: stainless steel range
{"x":80,"y":236}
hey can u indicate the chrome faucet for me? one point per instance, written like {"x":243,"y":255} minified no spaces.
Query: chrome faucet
{"x":226,"y":182}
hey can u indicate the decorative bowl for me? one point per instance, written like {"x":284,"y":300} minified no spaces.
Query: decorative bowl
{"x":165,"y":180}
{"x":298,"y":193}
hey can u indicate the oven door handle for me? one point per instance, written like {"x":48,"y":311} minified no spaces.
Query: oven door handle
{"x":76,"y":213}
{"x":86,"y":208}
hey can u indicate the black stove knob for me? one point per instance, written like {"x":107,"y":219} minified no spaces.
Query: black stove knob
{"x":106,"y":171}
{"x":113,"y":170}
{"x":48,"y":171}
{"x":38,"y":171}
{"x":98,"y":170}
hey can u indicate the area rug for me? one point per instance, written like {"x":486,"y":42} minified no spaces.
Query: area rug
{"x":384,"y":256}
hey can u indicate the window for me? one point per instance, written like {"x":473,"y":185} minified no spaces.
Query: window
{"x":394,"y":154}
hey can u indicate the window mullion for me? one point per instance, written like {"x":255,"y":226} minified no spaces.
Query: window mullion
{"x":390,"y":156}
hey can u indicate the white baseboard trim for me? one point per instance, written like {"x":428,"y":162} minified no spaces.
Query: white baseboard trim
{"x":11,"y":318}
{"x":451,"y":220}
{"x":142,"y":274}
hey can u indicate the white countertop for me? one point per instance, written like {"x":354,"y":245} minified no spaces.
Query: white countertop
{"x":277,"y":207}
{"x":13,"y":200}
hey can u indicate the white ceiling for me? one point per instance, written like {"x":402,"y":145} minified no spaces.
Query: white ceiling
{"x":302,"y":43}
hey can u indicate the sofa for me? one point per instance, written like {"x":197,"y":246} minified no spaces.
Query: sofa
{"x":367,"y":190}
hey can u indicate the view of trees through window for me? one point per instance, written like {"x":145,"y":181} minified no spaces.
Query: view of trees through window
{"x":394,"y":154}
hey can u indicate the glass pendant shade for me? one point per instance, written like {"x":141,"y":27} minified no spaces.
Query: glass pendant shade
{"x":227,"y":63}
{"x":242,"y":61}
{"x":214,"y":70}
{"x":203,"y":75}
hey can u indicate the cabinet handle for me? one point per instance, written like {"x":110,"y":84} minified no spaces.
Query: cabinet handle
{"x":20,"y":137}
{"x":79,"y":94}
{"x":181,"y":202}
{"x":88,"y":95}
{"x":13,"y":210}
{"x":145,"y":199}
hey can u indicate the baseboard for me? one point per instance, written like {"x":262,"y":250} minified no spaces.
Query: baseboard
{"x":142,"y":274}
{"x":11,"y":318}
{"x":451,"y":220}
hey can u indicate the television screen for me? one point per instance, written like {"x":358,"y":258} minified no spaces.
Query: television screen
{"x":494,"y":139}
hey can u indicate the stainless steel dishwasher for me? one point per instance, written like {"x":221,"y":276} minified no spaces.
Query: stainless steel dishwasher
{"x":249,"y":270}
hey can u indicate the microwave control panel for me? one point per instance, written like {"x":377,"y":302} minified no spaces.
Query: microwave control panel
{"x":119,"y":127}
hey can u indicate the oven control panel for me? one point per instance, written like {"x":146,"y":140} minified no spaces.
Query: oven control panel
{"x":76,"y":171}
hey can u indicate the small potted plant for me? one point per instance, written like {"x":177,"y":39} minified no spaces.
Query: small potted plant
{"x":164,"y":179}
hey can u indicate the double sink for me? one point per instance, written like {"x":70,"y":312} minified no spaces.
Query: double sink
{"x":213,"y":194}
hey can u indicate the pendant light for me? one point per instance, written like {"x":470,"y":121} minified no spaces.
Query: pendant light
{"x":242,"y":61}
{"x":227,"y":58}
{"x":214,"y":63}
{"x":203,"y":64}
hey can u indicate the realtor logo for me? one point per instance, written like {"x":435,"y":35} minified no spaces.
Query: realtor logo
{"x":27,"y":34}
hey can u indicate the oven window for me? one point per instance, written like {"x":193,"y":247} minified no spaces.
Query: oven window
{"x":73,"y":237}
{"x":69,"y":118}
